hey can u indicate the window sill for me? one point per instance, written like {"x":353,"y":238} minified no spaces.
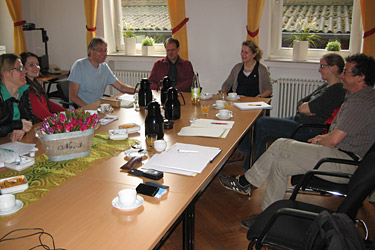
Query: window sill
{"x":122,"y":53}
{"x":289,"y":60}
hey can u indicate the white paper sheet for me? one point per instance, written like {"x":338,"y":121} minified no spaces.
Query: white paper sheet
{"x":252,"y":105}
{"x":207,"y":128}
{"x":187,"y":163}
{"x":207,"y":132}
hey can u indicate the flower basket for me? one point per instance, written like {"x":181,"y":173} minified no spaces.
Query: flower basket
{"x":66,"y":146}
{"x":68,"y":135}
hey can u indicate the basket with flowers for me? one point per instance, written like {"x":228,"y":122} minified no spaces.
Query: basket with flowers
{"x":68,"y":135}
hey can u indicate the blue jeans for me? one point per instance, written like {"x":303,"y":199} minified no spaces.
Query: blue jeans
{"x":268,"y":129}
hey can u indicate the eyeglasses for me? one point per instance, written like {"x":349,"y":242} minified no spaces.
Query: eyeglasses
{"x":19,"y":68}
{"x":101,"y":50}
{"x":347,"y":72}
{"x":324,"y":65}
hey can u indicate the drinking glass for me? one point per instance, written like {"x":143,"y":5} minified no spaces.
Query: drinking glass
{"x":205,"y":107}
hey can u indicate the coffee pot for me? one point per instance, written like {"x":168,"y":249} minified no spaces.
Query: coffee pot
{"x":172,"y":105}
{"x":154,"y":123}
{"x":144,"y":94}
{"x":167,"y":83}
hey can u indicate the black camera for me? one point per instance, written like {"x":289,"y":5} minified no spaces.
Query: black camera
{"x":28,"y":26}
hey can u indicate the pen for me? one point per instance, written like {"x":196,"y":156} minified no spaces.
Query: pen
{"x":219,"y":123}
{"x":7,"y":150}
{"x":254,"y":104}
{"x":187,"y":151}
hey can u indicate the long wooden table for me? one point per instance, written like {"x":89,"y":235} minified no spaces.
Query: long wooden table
{"x":79,"y":213}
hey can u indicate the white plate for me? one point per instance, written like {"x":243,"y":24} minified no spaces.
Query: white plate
{"x":134,"y":129}
{"x":134,"y":152}
{"x":216,"y":107}
{"x":14,"y":189}
{"x":206,"y":96}
{"x":103,"y":112}
{"x":18,"y":206}
{"x":138,"y":202}
{"x":233,"y":99}
{"x":223,"y":118}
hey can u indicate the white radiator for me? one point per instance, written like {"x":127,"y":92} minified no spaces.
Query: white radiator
{"x":128,"y":77}
{"x":287,"y":92}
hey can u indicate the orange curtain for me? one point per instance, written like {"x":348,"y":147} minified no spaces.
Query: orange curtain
{"x":15,"y":11}
{"x":368,"y":21}
{"x":176,"y":9}
{"x":91,"y":7}
{"x":254,"y":12}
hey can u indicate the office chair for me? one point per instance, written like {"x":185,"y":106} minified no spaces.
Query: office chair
{"x":279,"y":228}
{"x":63,"y":90}
{"x":323,"y":186}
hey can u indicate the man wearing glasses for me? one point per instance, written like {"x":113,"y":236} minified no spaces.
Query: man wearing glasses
{"x":351,"y":135}
{"x":89,"y":76}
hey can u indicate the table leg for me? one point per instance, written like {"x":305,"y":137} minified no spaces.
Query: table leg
{"x":188,"y":227}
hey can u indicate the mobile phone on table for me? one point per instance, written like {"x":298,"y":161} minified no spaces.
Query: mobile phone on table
{"x":147,"y":189}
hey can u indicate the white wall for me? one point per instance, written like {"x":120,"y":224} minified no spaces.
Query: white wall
{"x":6,"y":28}
{"x":215,"y":31}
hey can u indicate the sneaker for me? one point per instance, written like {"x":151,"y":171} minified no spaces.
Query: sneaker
{"x":247,"y":223}
{"x":231,"y":182}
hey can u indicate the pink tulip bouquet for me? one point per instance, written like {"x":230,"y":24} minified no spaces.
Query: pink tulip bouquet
{"x":69,"y":121}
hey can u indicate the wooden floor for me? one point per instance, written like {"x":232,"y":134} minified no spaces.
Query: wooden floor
{"x":219,"y":213}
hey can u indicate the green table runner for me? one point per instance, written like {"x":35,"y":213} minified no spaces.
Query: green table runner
{"x":45,"y":175}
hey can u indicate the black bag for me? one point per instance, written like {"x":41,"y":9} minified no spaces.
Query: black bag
{"x":333,"y":231}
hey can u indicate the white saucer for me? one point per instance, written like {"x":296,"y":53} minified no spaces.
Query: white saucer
{"x":216,"y":107}
{"x":233,"y":99}
{"x":206,"y":96}
{"x":223,"y":118}
{"x":18,"y":206}
{"x":134,"y":152}
{"x":138,"y":202}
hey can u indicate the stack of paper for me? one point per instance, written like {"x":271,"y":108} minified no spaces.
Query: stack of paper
{"x":207,"y":128}
{"x":126,"y":100}
{"x":252,"y":105}
{"x":108,"y":119}
{"x":186,"y":159}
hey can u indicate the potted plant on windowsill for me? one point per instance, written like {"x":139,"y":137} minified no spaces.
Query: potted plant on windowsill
{"x":130,"y":42}
{"x":302,"y":39}
{"x":148,"y":46}
{"x":333,"y":45}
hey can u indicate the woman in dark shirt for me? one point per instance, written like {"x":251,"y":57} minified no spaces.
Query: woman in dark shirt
{"x":249,"y":78}
{"x":15,"y":109}
{"x":315,"y":108}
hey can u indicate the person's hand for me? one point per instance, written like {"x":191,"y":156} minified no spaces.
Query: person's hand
{"x":315,"y":140}
{"x":26,"y":125}
{"x":17,"y":135}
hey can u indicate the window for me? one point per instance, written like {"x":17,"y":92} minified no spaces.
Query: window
{"x":145,"y":18}
{"x":330,"y":20}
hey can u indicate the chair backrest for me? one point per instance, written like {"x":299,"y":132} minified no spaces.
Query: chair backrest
{"x":63,"y":88}
{"x":361,"y":184}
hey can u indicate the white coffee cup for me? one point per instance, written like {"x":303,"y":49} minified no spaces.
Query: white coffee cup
{"x":224,"y":113}
{"x":127,"y":197}
{"x":7,"y":202}
{"x":232,"y":95}
{"x":160,"y":145}
{"x":220,"y":103}
{"x":105,"y":107}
